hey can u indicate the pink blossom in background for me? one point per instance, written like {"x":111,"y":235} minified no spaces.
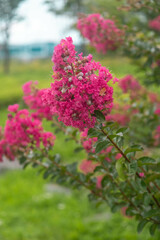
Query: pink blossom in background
{"x":123,"y":119}
{"x":48,"y":139}
{"x":120,"y":114}
{"x":118,"y":156}
{"x":157,"y":111}
{"x":103,"y":34}
{"x":153,"y":97}
{"x":123,"y":211}
{"x":33,"y":99}
{"x":99,"y":181}
{"x":141,"y":174}
{"x":87,"y":143}
{"x":13,"y":108}
{"x":80,"y":86}
{"x":129,"y":83}
{"x":155,"y":23}
{"x":87,"y":166}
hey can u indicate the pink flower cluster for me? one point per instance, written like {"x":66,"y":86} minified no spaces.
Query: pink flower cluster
{"x":22,"y":133}
{"x":33,"y":99}
{"x":120,"y":114}
{"x":80,"y":87}
{"x":102,"y":33}
{"x":87,"y":166}
{"x":157,"y":111}
{"x":88,"y":143}
{"x":155,"y":23}
{"x":131,"y":85}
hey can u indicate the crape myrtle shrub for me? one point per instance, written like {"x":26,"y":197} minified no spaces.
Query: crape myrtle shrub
{"x":141,"y":41}
{"x":116,"y":171}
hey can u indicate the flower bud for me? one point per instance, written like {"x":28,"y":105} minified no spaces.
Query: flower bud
{"x":10,"y":116}
{"x":89,"y":103}
{"x":80,"y":74}
{"x":65,"y":59}
{"x":63,"y":90}
{"x":80,"y":78}
{"x":69,"y":67}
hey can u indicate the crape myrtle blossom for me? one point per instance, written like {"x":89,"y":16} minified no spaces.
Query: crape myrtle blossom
{"x":129,"y":84}
{"x":155,"y":23}
{"x":22,"y":133}
{"x":157,"y":111}
{"x":88,"y":166}
{"x":103,"y":34}
{"x":33,"y":99}
{"x":120,"y":114}
{"x":80,"y":87}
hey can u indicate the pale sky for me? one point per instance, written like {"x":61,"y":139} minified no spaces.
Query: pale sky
{"x":39,"y":25}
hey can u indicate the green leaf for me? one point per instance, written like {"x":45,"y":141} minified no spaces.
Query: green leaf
{"x":98,"y":168}
{"x":93,"y":132}
{"x":99,"y":115}
{"x":133,"y":167}
{"x":112,"y":136}
{"x":145,"y":161}
{"x":105,"y":181}
{"x":134,"y":148}
{"x":141,"y":225}
{"x":122,"y":130}
{"x":82,"y":177}
{"x":72,"y":168}
{"x":100,"y":146}
{"x":151,"y":213}
{"x":152,"y":229}
{"x":117,"y":206}
{"x":78,"y":149}
{"x":121,"y":169}
{"x":22,"y":159}
{"x":57,"y":158}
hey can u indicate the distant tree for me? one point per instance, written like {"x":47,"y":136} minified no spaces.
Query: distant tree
{"x":8,"y":14}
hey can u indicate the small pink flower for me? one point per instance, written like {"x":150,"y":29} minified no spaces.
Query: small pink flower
{"x":99,"y":180}
{"x":157,"y":111}
{"x":130,"y":84}
{"x":155,"y":23}
{"x":87,"y":166}
{"x":141,"y":174}
{"x":123,"y":211}
{"x":13,"y":108}
{"x":33,"y":98}
{"x":118,"y":156}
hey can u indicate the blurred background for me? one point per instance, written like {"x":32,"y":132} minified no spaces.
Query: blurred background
{"x":32,"y":208}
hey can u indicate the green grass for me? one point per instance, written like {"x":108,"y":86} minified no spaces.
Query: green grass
{"x":11,"y":84}
{"x":29,"y":212}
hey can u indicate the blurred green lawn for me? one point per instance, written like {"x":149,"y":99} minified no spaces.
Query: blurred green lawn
{"x":28,"y":212}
